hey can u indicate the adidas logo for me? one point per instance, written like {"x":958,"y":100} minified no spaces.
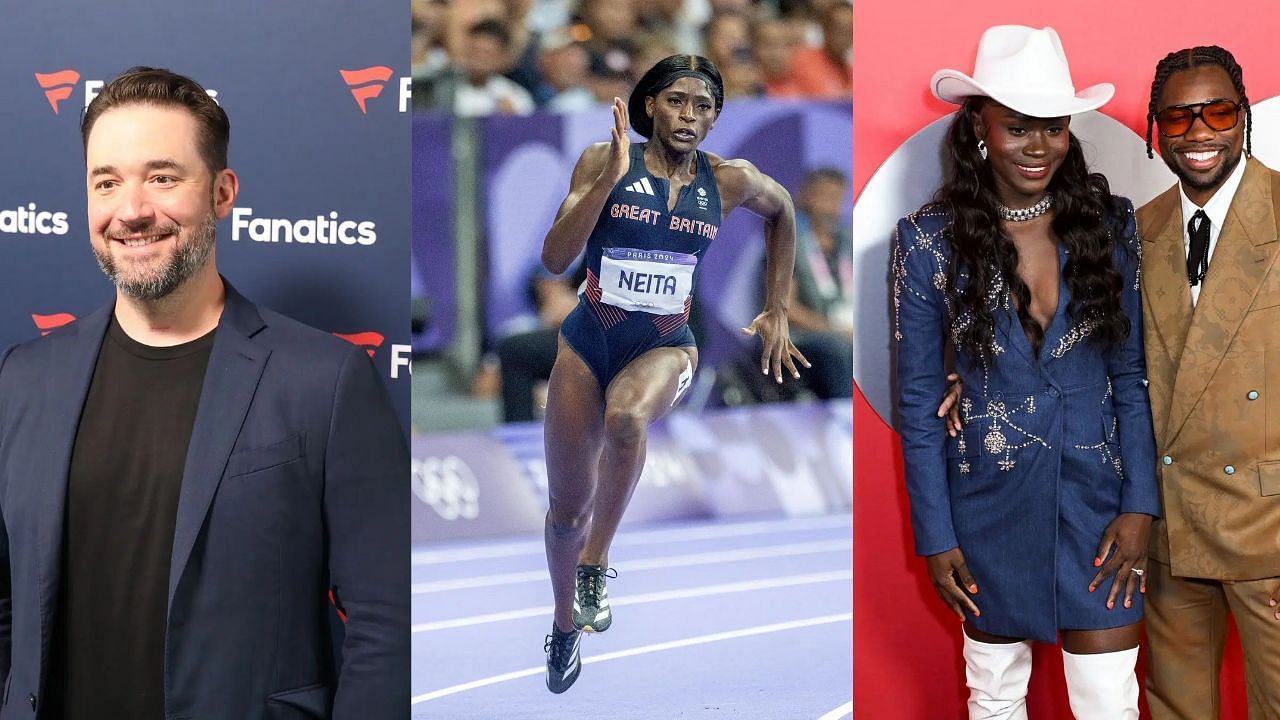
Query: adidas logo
{"x":641,"y":186}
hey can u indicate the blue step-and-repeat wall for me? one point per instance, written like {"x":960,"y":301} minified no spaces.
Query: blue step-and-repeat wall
{"x":318,"y":97}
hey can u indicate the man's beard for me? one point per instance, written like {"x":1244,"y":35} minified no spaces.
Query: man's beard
{"x":188,"y":257}
{"x":1228,"y":165}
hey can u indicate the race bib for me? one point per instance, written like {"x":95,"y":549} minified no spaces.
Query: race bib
{"x":652,"y":281}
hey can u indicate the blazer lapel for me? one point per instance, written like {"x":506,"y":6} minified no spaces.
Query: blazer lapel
{"x":1057,"y":330}
{"x":235,"y":367}
{"x":71,"y":373}
{"x":1241,"y":258}
{"x":1006,"y":322}
{"x":1164,"y":277}
{"x":1008,"y":329}
{"x":1008,"y":325}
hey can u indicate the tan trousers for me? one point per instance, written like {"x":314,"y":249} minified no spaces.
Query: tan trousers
{"x":1186,"y":628}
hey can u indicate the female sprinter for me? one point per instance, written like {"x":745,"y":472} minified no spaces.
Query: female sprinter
{"x":646,"y":215}
{"x":1028,"y":266}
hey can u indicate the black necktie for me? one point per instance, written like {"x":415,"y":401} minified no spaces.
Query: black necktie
{"x":1198,"y":255}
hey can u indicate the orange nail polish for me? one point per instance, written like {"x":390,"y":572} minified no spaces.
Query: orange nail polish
{"x":1097,"y":562}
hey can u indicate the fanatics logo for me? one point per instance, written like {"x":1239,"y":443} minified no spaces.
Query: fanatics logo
{"x":366,"y":83}
{"x":331,"y":230}
{"x":641,"y":186}
{"x":31,"y":220}
{"x":370,"y":341}
{"x":57,"y":86}
{"x":48,"y":323}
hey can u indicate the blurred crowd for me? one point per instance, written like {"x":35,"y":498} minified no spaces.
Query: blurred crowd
{"x":480,"y":57}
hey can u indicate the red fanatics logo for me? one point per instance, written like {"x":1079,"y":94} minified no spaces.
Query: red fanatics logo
{"x":57,"y":86}
{"x":370,"y":341}
{"x":48,"y":323}
{"x":366,"y":83}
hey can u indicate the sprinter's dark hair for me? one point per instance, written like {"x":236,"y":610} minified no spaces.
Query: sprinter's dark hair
{"x":661,"y":76}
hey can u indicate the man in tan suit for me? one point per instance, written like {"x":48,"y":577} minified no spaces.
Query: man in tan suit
{"x":1211,"y":309}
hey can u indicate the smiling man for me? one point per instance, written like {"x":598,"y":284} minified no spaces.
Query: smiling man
{"x":1211,"y":306}
{"x":186,"y":479}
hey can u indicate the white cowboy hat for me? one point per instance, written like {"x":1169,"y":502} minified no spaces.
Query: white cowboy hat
{"x":1025,"y":70}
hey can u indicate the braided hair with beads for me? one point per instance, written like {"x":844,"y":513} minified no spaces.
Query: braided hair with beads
{"x":1196,"y":57}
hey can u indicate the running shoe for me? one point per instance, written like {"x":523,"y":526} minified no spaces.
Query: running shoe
{"x":591,"y":601}
{"x":563,"y":661}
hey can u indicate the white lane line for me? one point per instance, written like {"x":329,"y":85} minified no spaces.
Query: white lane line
{"x":658,"y":563}
{"x":682,"y":594}
{"x":844,"y":710}
{"x":634,"y":538}
{"x":642,"y":650}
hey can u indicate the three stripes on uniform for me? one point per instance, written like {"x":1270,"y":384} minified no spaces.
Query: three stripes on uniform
{"x":641,"y":186}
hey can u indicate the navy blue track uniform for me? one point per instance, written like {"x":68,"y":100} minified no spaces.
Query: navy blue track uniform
{"x":642,"y":266}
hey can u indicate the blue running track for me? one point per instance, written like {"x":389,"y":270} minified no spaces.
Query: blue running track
{"x":742,"y":619}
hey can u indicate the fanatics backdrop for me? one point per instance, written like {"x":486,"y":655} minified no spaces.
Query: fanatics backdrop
{"x":317,"y":93}
{"x":907,"y":661}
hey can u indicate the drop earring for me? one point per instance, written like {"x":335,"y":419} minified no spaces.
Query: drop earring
{"x":982,"y":149}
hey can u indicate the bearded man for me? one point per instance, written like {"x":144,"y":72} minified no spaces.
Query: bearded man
{"x":191,"y":485}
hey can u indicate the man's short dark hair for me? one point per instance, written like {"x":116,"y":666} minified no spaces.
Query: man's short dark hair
{"x":155,"y":86}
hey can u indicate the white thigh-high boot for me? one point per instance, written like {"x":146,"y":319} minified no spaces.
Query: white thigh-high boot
{"x":1102,"y":686}
{"x":997,"y":675}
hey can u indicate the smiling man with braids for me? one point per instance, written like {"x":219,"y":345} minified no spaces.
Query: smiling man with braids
{"x":1211,"y":303}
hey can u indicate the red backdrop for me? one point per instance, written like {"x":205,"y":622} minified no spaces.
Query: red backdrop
{"x":907,"y":662}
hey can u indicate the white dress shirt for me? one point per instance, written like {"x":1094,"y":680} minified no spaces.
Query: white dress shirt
{"x":1216,"y":209}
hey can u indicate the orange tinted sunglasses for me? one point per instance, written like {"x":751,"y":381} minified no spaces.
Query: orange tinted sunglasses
{"x":1219,"y":115}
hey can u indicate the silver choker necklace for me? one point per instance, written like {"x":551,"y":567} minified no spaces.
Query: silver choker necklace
{"x":1027,"y":213}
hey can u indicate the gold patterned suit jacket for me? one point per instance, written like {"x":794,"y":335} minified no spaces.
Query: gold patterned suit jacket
{"x":1214,"y":373}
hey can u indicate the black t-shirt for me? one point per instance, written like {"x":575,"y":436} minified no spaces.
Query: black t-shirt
{"x":122,"y":501}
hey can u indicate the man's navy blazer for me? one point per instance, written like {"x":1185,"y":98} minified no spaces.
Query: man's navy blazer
{"x":294,"y":483}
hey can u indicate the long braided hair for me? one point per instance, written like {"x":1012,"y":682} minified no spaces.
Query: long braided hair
{"x":1087,"y":218}
{"x":1201,"y":56}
